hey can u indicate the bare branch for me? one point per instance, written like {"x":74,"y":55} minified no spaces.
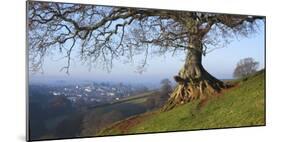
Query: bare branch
{"x":108,"y":33}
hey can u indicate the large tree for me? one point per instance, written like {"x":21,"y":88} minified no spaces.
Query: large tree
{"x":102,"y":34}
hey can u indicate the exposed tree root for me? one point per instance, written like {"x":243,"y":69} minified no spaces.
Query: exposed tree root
{"x":192,"y":89}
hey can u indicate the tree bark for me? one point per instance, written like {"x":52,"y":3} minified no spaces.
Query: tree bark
{"x":194,"y":82}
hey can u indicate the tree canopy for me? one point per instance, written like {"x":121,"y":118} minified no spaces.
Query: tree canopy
{"x":245,"y":67}
{"x":101,"y":34}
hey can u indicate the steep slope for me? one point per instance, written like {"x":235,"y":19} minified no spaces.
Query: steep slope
{"x":242,"y":105}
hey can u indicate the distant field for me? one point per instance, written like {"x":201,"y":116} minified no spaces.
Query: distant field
{"x":242,"y":105}
{"x":136,"y":99}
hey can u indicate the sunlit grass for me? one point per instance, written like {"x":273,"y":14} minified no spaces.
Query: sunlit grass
{"x":240,"y":106}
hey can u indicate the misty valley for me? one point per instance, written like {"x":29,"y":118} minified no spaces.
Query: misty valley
{"x":68,"y":110}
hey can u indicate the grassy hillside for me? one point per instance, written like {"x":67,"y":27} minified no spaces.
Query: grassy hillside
{"x":242,"y":105}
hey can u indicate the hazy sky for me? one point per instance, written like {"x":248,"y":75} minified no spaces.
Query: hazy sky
{"x":220,"y":63}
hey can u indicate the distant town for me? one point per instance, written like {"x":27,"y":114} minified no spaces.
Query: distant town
{"x":89,"y":93}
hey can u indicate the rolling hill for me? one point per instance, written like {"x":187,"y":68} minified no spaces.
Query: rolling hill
{"x":242,"y":105}
{"x":98,"y":117}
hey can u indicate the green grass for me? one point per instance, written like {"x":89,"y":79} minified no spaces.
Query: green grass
{"x":240,"y":106}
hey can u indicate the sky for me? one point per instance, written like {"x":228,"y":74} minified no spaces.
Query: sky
{"x":220,"y":63}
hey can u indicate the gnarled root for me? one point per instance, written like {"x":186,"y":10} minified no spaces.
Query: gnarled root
{"x":187,"y":91}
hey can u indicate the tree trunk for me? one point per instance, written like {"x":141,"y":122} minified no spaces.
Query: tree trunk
{"x":194,"y":82}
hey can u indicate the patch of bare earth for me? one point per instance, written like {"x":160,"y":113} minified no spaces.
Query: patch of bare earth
{"x":125,"y":125}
